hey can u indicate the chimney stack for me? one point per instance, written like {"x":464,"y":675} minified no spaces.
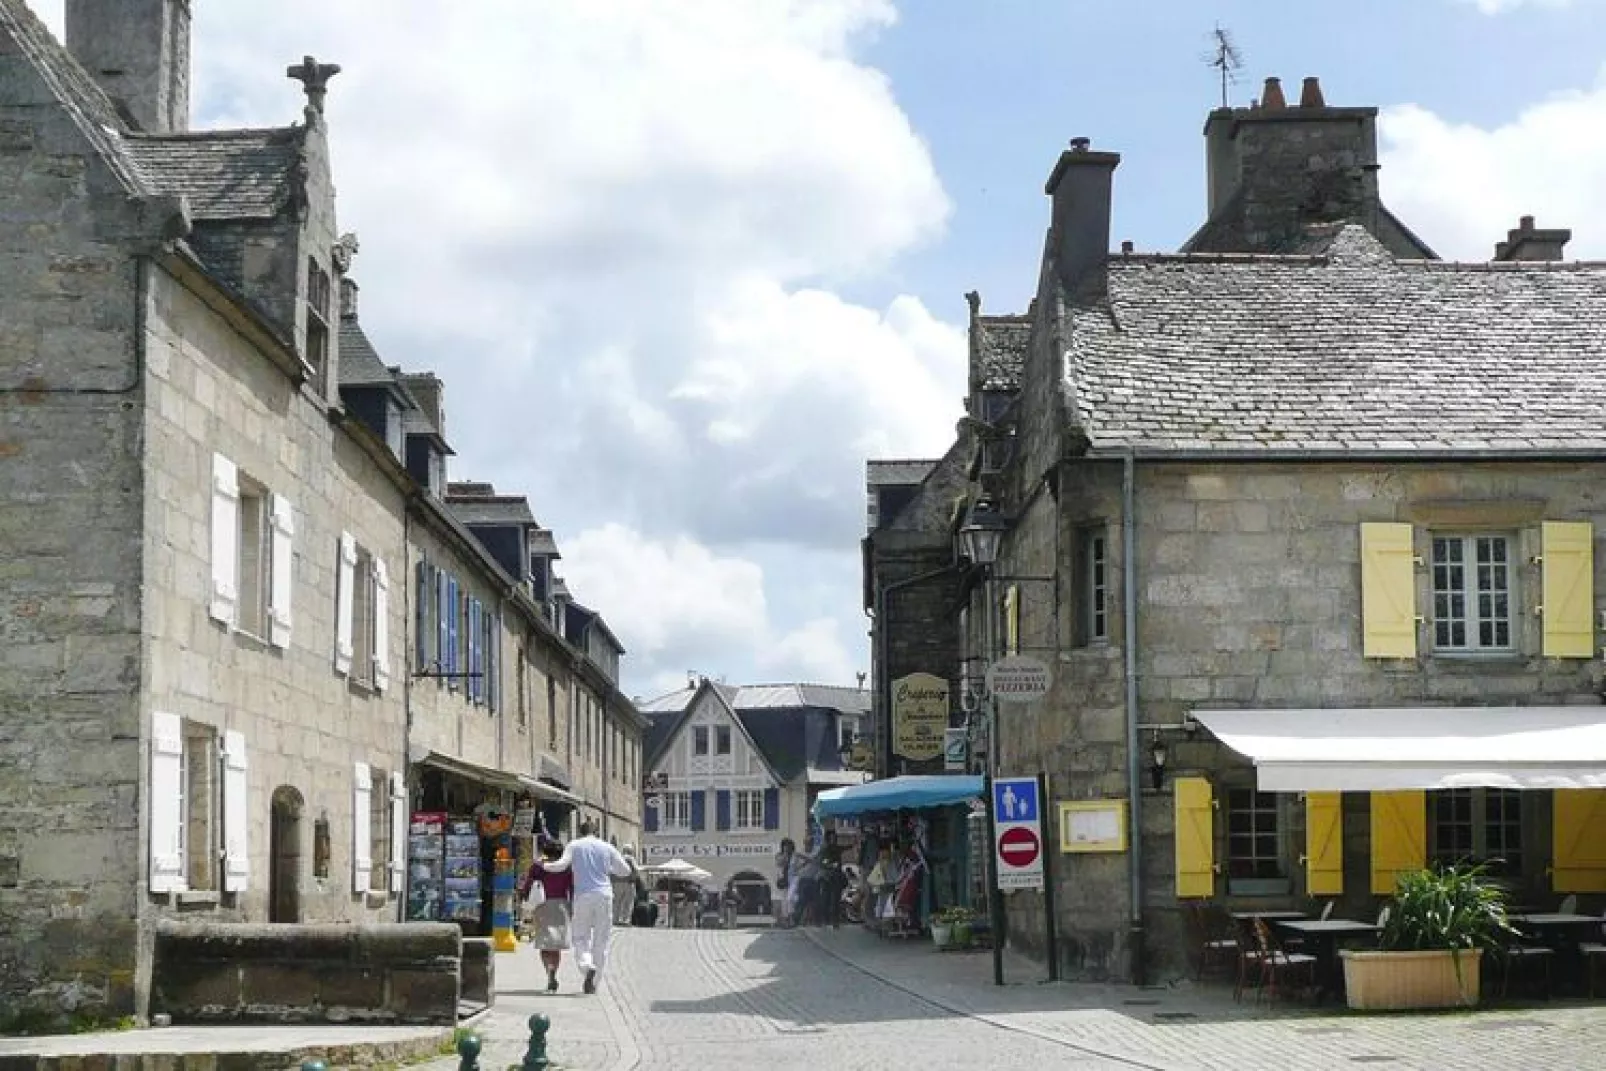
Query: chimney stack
{"x":1080,"y":186}
{"x":1310,"y":94}
{"x":348,"y":297}
{"x":427,"y":389}
{"x":1271,"y":98}
{"x":139,"y":52}
{"x":1529,"y":243}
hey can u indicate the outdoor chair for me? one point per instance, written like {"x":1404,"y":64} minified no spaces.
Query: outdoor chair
{"x":1277,"y":964}
{"x":1327,"y":910}
{"x":1594,"y":954}
{"x":1516,"y":956}
{"x":1569,"y":905}
{"x":1210,"y":942}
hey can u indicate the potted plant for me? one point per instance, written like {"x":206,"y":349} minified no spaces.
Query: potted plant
{"x":1440,"y":924}
{"x":955,"y":927}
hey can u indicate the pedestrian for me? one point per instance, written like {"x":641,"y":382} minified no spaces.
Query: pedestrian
{"x":595,"y":863}
{"x":624,"y":889}
{"x":786,"y":903}
{"x":806,"y":879}
{"x":832,"y":882}
{"x":550,"y":920}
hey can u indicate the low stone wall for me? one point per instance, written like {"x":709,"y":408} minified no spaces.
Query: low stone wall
{"x":479,"y":970}
{"x":252,"y":973}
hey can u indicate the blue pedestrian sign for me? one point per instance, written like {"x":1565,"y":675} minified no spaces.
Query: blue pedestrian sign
{"x":1015,"y":800}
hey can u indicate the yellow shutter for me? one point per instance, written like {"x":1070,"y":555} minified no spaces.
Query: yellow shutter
{"x":1388,"y":591}
{"x":1012,"y":620}
{"x":1399,"y":837}
{"x":1578,"y":833}
{"x":1195,"y":838}
{"x":1568,"y":598}
{"x":1324,"y":844}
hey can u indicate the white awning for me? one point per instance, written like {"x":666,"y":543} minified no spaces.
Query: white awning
{"x":1388,"y":748}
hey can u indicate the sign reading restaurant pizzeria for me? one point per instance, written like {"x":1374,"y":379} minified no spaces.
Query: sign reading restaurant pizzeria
{"x":919,"y":716}
{"x":1017,"y":679}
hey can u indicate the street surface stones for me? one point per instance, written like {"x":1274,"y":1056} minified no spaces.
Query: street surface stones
{"x":821,"y":1000}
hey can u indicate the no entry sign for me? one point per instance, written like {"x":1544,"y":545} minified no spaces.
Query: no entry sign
{"x":1017,"y":822}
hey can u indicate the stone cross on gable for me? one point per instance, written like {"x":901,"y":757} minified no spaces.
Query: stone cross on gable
{"x":315,"y":77}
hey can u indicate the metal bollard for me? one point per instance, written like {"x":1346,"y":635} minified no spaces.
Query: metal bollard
{"x":468,"y":1052}
{"x":535,"y":1059}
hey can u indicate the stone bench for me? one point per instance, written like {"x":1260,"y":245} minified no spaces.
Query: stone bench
{"x":479,"y":971}
{"x":214,"y":972}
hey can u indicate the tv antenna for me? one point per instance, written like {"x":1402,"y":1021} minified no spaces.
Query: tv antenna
{"x":1225,"y":58}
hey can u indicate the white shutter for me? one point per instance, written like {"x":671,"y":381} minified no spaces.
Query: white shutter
{"x":381,"y":651}
{"x":345,"y":593}
{"x":236,"y":815}
{"x":398,"y":833}
{"x":284,"y":530}
{"x":362,"y":820}
{"x":225,"y":540}
{"x":167,"y":802}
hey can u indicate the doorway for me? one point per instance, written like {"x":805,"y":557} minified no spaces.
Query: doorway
{"x":284,"y":856}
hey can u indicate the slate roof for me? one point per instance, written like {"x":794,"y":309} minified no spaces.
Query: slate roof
{"x":1350,"y":352}
{"x":770,"y":696}
{"x":794,"y":740}
{"x":999,"y":347}
{"x":543,"y":543}
{"x":896,"y":472}
{"x":492,"y":509}
{"x":360,"y":363}
{"x":226,"y":174}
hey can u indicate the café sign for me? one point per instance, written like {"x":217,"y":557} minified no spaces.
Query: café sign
{"x":919,"y":716}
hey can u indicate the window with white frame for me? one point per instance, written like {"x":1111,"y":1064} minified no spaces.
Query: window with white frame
{"x":722,"y":740}
{"x":1473,"y":592}
{"x":699,"y":740}
{"x":318,"y":319}
{"x":362,"y":616}
{"x":676,"y":813}
{"x":362,"y":608}
{"x":749,"y":808}
{"x":1254,"y":839}
{"x":251,"y":535}
{"x":1476,"y":825}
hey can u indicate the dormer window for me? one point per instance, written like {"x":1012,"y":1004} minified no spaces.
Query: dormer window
{"x":317,"y":341}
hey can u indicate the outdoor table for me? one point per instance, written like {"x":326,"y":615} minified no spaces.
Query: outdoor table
{"x":1269,"y":916}
{"x":1321,"y":938}
{"x":1561,"y":932}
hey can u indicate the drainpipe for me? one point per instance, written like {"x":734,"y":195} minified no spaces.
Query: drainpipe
{"x":884,"y":723}
{"x":1134,"y":771}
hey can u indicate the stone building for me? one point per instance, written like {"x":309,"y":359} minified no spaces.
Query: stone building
{"x":209,"y":686}
{"x":1318,"y":513}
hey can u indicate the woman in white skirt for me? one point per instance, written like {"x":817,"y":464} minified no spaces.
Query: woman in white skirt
{"x":549,"y":919}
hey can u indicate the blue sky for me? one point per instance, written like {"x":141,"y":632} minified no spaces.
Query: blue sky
{"x":685,"y":265}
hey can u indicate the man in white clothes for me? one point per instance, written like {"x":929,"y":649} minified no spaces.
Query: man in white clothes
{"x":595,"y":863}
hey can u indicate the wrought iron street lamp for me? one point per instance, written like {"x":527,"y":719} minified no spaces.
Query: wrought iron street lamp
{"x":982,"y":533}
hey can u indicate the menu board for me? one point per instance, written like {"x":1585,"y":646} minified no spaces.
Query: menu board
{"x":426,"y":865}
{"x":463,"y":879}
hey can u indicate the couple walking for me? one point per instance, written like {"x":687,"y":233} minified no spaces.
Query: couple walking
{"x":580,"y":874}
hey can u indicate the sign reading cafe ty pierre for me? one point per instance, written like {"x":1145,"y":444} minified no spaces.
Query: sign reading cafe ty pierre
{"x":919,"y":716}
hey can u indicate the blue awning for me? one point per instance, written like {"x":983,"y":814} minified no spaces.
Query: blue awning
{"x":915,"y":791}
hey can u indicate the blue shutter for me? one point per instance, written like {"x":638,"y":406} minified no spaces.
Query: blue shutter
{"x":772,"y":808}
{"x":442,"y":636}
{"x":699,"y":818}
{"x":650,"y":818}
{"x":495,"y":648}
{"x":474,"y":678}
{"x":453,"y":632}
{"x":722,"y":809}
{"x":492,"y":635}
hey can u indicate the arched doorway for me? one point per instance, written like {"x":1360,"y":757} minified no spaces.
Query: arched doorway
{"x":284,"y":856}
{"x":754,"y":900}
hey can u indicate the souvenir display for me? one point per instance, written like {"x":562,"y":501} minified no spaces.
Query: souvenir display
{"x":463,"y":875}
{"x":426,"y":873}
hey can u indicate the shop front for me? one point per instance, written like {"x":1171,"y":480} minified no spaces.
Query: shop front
{"x":914,"y":844}
{"x":472,"y":831}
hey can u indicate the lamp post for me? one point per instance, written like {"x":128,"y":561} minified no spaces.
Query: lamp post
{"x":979,"y":539}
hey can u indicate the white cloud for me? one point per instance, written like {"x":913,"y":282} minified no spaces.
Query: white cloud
{"x":617,"y":229}
{"x":813,"y":651}
{"x":1462,"y":186}
{"x":1500,"y":7}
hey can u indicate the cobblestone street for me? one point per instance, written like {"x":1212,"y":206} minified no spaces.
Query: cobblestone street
{"x":821,"y":999}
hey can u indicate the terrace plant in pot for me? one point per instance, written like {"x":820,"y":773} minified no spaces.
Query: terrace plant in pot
{"x":1441,"y":922}
{"x":957,"y":921}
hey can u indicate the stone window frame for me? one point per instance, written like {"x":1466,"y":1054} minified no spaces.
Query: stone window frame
{"x":253,"y":557}
{"x":1091,"y":585}
{"x":364,"y":620}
